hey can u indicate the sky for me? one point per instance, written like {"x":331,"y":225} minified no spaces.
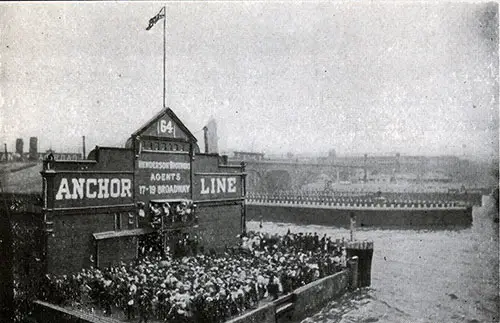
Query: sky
{"x":419,"y":78}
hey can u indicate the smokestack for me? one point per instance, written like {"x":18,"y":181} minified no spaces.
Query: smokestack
{"x":19,"y":147}
{"x":211,"y":137}
{"x":5,"y":148}
{"x":33,"y":152}
{"x":83,"y":144}
{"x":205,"y":138}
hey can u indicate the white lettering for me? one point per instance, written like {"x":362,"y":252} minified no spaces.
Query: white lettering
{"x":115,"y":187}
{"x":103,"y":188}
{"x":78,"y":184}
{"x":204,"y":190}
{"x":164,"y":177}
{"x":218,"y":185}
{"x":92,"y":181}
{"x":221,"y":185}
{"x":163,"y":126}
{"x":126,"y":188}
{"x":166,"y":127}
{"x":63,"y":190}
{"x":145,"y":164}
{"x":231,"y":185}
{"x":163,"y":189}
{"x":92,"y":188}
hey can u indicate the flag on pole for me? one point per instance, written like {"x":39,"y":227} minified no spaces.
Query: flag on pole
{"x":156,"y":18}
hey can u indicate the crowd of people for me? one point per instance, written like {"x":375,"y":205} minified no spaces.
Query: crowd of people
{"x":165,"y":215}
{"x":202,"y":287}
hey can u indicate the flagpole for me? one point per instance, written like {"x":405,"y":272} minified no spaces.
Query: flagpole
{"x":164,"y":54}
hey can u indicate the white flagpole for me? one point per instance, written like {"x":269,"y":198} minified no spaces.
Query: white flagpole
{"x":164,"y":54}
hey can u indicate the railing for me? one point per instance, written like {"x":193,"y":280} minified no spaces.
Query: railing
{"x":348,"y":202}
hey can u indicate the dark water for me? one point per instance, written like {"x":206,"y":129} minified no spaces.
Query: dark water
{"x":421,"y":276}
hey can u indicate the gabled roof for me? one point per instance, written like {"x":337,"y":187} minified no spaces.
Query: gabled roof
{"x":173,"y":116}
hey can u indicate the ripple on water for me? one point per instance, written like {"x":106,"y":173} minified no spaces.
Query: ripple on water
{"x":420,"y":275}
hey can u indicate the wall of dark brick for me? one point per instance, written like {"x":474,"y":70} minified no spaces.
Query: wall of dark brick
{"x":47,"y":313}
{"x":71,"y":245}
{"x":219,"y":225}
{"x":206,"y":163}
{"x":400,"y":218}
{"x":6,"y":269}
{"x":112,"y":251}
{"x":264,"y":314}
{"x":312,"y":297}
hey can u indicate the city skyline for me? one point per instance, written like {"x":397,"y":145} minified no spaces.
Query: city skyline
{"x":277,"y":78}
{"x":266,"y":155}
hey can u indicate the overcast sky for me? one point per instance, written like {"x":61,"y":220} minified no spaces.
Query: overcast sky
{"x":416,"y":78}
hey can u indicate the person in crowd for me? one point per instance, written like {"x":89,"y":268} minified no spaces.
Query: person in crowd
{"x":199,"y":287}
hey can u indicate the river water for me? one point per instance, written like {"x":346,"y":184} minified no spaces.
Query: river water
{"x":421,"y":275}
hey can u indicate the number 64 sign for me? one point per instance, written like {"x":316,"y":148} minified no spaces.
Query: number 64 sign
{"x":165,"y":126}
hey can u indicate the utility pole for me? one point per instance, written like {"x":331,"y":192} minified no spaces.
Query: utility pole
{"x":83,"y":144}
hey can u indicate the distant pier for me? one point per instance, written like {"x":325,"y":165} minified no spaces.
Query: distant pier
{"x":367,"y":212}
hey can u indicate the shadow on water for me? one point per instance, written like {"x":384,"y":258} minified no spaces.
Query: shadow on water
{"x":362,"y":300}
{"x":424,"y":275}
{"x":434,"y":228}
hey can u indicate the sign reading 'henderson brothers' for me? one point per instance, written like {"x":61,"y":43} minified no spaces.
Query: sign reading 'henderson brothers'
{"x":162,"y":176}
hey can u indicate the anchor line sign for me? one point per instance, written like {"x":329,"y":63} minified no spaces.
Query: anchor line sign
{"x":218,"y":186}
{"x":86,"y":190}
